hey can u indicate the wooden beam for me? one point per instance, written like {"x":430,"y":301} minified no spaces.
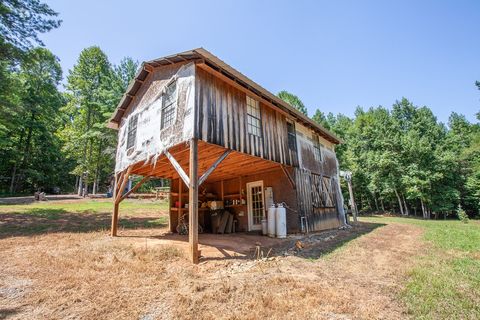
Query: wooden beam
{"x":116,"y":204}
{"x":122,"y":185}
{"x":178,"y":167}
{"x":213,"y":167}
{"x":193,"y":202}
{"x":289,"y":177}
{"x":135,"y":188}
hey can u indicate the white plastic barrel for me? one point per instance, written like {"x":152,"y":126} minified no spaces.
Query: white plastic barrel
{"x":271,"y":221}
{"x":281,"y":221}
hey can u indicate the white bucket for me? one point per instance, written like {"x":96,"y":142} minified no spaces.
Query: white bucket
{"x":264,"y":227}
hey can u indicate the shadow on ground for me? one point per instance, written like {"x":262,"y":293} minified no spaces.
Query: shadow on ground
{"x":31,"y":199}
{"x":318,"y":244}
{"x":251,"y":246}
{"x":6,"y":312}
{"x":40,"y":221}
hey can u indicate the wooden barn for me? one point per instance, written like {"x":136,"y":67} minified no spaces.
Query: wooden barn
{"x":226,"y":144}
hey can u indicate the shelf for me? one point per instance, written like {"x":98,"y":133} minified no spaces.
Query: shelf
{"x":207,"y":197}
{"x":235,"y":205}
{"x":183,"y":209}
{"x":175,"y":194}
{"x":236,"y":195}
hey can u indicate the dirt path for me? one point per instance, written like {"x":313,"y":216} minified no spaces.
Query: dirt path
{"x":89,"y":275}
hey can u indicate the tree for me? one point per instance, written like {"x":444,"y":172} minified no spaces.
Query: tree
{"x":93,"y":91}
{"x":20,"y":23}
{"x":33,"y":140}
{"x":293,"y":100}
{"x":319,"y":117}
{"x":88,"y":108}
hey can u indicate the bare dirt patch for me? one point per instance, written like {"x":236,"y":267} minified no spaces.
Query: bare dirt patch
{"x":144,"y":275}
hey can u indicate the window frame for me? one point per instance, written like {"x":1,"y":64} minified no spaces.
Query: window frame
{"x":132,"y":127}
{"x":317,"y":148}
{"x":172,"y":106}
{"x":291,"y":136}
{"x":254,"y":121}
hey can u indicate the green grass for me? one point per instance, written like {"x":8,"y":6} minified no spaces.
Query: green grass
{"x":79,"y":216}
{"x":445,"y":282}
{"x":92,"y":206}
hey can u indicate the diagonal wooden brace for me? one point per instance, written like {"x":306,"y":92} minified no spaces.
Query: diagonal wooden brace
{"x":135,"y":188}
{"x":213,"y":167}
{"x":289,"y":177}
{"x":178,"y":168}
{"x":124,"y":179}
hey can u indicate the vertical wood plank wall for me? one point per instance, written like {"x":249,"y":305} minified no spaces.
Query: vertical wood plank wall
{"x":222,"y":121}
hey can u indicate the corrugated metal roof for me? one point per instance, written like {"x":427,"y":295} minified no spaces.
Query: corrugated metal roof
{"x":220,"y":66}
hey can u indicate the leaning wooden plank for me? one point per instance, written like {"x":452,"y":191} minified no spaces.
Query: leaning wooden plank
{"x":223,"y":222}
{"x":178,"y":168}
{"x":213,"y":167}
{"x":228,"y":228}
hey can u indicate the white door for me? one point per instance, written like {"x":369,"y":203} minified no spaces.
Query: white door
{"x":256,"y":206}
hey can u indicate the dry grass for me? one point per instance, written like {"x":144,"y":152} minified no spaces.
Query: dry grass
{"x":88,"y":275}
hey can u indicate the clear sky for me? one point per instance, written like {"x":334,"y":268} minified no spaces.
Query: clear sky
{"x":335,"y":55}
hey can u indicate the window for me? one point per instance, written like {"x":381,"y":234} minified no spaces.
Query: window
{"x":254,"y":124}
{"x":292,"y":140}
{"x":168,"y":105}
{"x":132,"y":131}
{"x":317,"y":148}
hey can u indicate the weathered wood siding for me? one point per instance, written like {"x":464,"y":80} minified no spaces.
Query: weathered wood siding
{"x":223,"y":121}
{"x":317,"y":183}
{"x":317,"y":201}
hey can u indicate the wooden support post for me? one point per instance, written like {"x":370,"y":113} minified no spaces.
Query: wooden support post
{"x":180,"y":201}
{"x":193,"y":201}
{"x":352,"y":200}
{"x":121,"y":182}
{"x":240,"y":187}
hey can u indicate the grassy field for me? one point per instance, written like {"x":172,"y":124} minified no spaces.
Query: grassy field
{"x":78,"y":216}
{"x":445,"y":282}
{"x":382,"y":268}
{"x":89,"y":206}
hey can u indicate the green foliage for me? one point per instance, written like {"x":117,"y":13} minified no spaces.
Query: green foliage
{"x":20,"y":23}
{"x":94,"y":89}
{"x":462,"y":215}
{"x":404,"y":160}
{"x":31,"y":150}
{"x":319,"y":117}
{"x":293,"y":100}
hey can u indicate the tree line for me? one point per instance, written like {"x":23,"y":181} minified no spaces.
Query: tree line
{"x":402,"y":158}
{"x":51,"y":140}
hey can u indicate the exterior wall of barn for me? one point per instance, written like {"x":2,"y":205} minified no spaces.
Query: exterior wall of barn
{"x":222,"y":121}
{"x":318,"y":189}
{"x":151,"y":140}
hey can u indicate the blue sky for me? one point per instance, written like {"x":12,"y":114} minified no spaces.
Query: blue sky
{"x":335,"y":55}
